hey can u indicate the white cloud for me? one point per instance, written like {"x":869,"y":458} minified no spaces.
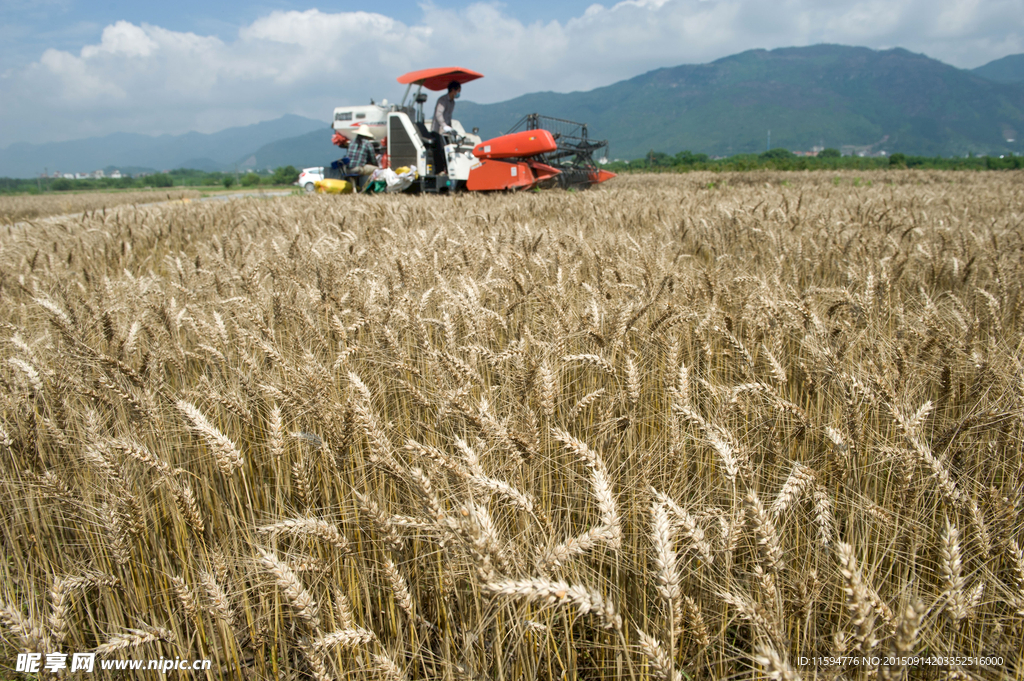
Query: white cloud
{"x":122,"y":39}
{"x":145,"y":78}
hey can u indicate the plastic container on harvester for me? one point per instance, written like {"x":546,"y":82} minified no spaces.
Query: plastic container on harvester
{"x":330,"y":186}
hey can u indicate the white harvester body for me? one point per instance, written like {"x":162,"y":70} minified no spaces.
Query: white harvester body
{"x":407,"y":148}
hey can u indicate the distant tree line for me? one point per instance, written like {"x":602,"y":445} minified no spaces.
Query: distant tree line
{"x":182,"y":177}
{"x":828,"y":159}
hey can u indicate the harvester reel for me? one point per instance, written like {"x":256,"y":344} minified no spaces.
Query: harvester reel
{"x":574,"y":156}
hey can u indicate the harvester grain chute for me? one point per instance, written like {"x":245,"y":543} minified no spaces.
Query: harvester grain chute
{"x":539,"y":151}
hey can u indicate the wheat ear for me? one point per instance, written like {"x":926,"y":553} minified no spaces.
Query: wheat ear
{"x":904,"y":641}
{"x":775,"y":666}
{"x":369,"y":507}
{"x":308,"y":527}
{"x":1018,"y":573}
{"x":559,"y":593}
{"x":276,"y":433}
{"x":951,"y":573}
{"x":688,"y":524}
{"x":800,"y":480}
{"x":24,"y":627}
{"x":224,"y":450}
{"x":220,"y":605}
{"x":764,"y":529}
{"x":133,"y":638}
{"x":298,"y":598}
{"x":388,"y":668}
{"x":346,"y":638}
{"x":398,"y":586}
{"x":600,"y":484}
{"x":659,"y":659}
{"x":186,"y":595}
{"x":665,"y":558}
{"x":858,"y":600}
{"x":548,"y":389}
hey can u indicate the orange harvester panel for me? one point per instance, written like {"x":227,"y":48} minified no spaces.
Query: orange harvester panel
{"x":493,"y":175}
{"x":517,"y":145}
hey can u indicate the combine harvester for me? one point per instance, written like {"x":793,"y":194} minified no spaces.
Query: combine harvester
{"x":539,"y":151}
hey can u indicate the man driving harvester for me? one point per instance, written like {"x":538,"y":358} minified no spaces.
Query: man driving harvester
{"x":442,"y":123}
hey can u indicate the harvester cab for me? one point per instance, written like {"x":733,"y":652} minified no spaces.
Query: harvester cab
{"x":410,"y":142}
{"x":530,"y":156}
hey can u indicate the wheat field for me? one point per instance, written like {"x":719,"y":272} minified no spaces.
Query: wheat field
{"x":692,"y":426}
{"x":18,"y":208}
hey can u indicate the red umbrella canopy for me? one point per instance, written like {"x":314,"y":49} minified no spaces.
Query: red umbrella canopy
{"x":438,"y":79}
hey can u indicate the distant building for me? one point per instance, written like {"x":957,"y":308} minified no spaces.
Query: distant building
{"x":813,"y":152}
{"x":116,"y":175}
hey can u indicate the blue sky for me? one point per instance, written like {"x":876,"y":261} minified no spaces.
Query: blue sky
{"x":28,"y":28}
{"x":71,"y":69}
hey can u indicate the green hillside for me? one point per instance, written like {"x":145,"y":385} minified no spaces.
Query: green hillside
{"x":824,"y":95}
{"x":312,"y":149}
{"x":1006,"y":70}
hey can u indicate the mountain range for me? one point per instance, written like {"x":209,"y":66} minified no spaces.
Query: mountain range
{"x":853,"y":98}
{"x":224,"y":150}
{"x":824,"y":95}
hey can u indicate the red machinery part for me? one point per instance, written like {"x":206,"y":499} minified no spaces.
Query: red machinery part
{"x":496,"y":175}
{"x":517,"y":145}
{"x":339,"y":140}
{"x":542,"y":171}
{"x":601,"y":176}
{"x":438,"y":79}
